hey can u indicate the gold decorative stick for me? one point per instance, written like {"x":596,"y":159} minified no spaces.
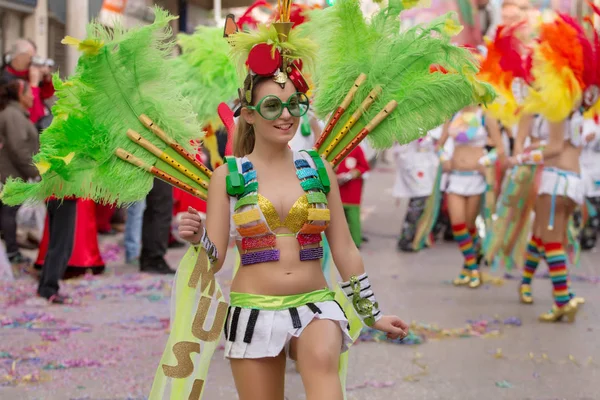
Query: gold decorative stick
{"x":148,"y":123}
{"x":340,"y":110}
{"x":366,"y":104}
{"x":130,"y":158}
{"x":137,"y":138}
{"x":383,"y":114}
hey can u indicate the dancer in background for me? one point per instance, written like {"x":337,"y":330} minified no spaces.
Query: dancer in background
{"x":466,"y":183}
{"x":559,"y":102}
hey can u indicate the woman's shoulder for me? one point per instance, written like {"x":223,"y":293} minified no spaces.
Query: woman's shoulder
{"x":220,"y":172}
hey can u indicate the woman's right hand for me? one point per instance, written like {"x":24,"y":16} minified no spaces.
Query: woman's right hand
{"x":190,"y":226}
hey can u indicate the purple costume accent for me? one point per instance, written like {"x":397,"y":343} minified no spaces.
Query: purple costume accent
{"x":314,"y":253}
{"x":260,"y":257}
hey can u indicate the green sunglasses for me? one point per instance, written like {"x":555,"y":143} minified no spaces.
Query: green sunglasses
{"x":271,"y":107}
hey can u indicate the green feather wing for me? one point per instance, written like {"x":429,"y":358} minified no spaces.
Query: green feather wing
{"x":399,"y":62}
{"x":204,"y":72}
{"x":120,"y":75}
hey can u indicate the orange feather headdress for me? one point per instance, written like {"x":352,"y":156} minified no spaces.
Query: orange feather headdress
{"x":565,"y":70}
{"x":507,"y":69}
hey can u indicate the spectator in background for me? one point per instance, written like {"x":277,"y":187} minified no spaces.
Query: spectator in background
{"x":21,"y":62}
{"x":350,"y":178}
{"x":489,"y":17}
{"x":156,"y":226}
{"x":19,"y":141}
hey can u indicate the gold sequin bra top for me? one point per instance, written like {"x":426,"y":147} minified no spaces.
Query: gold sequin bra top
{"x":254,"y":218}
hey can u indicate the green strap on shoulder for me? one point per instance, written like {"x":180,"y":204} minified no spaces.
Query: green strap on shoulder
{"x":321,"y":170}
{"x":234,"y":180}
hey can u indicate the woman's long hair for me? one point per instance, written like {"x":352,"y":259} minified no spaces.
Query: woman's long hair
{"x":244,"y":137}
{"x":11,"y":91}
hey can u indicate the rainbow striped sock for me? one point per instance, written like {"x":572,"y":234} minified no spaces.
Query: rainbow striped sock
{"x":465,"y":243}
{"x":475,"y":238}
{"x":532,"y":260}
{"x":557,"y":263}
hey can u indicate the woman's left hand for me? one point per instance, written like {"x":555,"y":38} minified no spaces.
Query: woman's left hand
{"x":393,"y":326}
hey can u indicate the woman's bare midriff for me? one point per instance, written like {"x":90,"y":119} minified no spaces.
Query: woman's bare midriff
{"x":567,"y":159}
{"x":466,"y":158}
{"x":287,"y":276}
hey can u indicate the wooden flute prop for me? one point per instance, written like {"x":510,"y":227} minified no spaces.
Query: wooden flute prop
{"x":365,"y":105}
{"x":340,"y":111}
{"x":137,"y":138}
{"x":130,"y":158}
{"x":383,"y":114}
{"x":148,"y":123}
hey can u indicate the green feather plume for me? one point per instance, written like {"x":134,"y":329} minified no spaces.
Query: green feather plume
{"x":397,"y":61}
{"x":120,"y":75}
{"x":204,"y":72}
{"x":299,"y":47}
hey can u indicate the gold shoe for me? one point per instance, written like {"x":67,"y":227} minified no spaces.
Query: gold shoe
{"x":525,"y":294}
{"x":578,"y":300}
{"x":475,"y":281}
{"x":463,"y":279}
{"x":569,"y":311}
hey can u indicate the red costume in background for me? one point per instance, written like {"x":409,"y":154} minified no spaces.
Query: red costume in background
{"x":86,"y":253}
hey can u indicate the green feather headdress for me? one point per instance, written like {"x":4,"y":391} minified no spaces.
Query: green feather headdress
{"x":204,"y":72}
{"x":292,"y":47}
{"x":404,"y":90}
{"x":121,"y":76}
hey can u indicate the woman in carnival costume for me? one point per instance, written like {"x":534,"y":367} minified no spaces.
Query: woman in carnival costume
{"x":296,"y":319}
{"x":139,"y":126}
{"x":503,"y":65}
{"x":564,"y":83}
{"x":468,"y":180}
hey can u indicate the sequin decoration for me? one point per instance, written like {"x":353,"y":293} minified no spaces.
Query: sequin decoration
{"x":296,"y":217}
{"x":306,"y":173}
{"x":269,"y":212}
{"x":246,"y":217}
{"x":314,"y":253}
{"x":319,"y":214}
{"x":260,"y":242}
{"x":305,"y":240}
{"x":301,"y":163}
{"x":250,"y":188}
{"x":249,"y":176}
{"x":316,"y":197}
{"x":246,"y":201}
{"x":311,"y":184}
{"x":312,"y":229}
{"x":258,"y":229}
{"x":260,"y":257}
{"x":247,"y":166}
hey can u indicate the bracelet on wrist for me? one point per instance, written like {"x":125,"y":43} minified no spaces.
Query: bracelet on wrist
{"x":208,"y":246}
{"x":358,"y":291}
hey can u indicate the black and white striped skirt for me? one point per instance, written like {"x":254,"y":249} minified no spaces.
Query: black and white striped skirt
{"x":259,"y":333}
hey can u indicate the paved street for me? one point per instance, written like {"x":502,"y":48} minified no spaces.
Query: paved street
{"x":109,"y":347}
